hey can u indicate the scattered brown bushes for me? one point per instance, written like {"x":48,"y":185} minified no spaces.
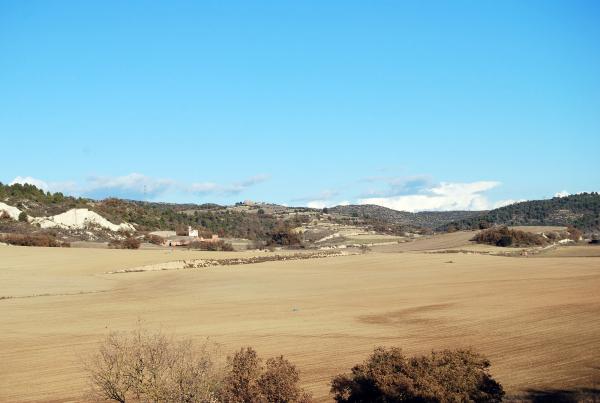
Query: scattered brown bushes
{"x":503,"y":236}
{"x":247,"y":380}
{"x":128,"y":243}
{"x":146,"y":366}
{"x":43,"y":240}
{"x":219,"y":245}
{"x":443,"y":376}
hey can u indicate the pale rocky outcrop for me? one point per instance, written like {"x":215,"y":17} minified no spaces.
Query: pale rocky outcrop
{"x":13,"y":212}
{"x":79,"y":219}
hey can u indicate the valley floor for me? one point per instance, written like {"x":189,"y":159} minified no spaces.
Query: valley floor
{"x":537,"y":319}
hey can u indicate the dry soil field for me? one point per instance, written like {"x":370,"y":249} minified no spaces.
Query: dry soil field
{"x":538,"y":319}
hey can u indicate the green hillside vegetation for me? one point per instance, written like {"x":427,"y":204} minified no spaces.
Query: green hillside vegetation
{"x":424,"y":219}
{"x":581,"y":211}
{"x":146,"y":216}
{"x":263,"y":222}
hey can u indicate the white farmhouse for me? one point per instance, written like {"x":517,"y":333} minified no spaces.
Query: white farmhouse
{"x":192,"y":232}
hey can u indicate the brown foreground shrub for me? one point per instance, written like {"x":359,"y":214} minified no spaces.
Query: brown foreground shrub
{"x":151,"y":367}
{"x":127,"y":243}
{"x":503,"y":236}
{"x":247,"y":380}
{"x":44,"y":240}
{"x":444,"y":376}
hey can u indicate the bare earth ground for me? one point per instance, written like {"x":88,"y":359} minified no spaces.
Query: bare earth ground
{"x":538,"y":319}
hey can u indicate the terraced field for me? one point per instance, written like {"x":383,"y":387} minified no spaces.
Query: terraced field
{"x":538,"y":319}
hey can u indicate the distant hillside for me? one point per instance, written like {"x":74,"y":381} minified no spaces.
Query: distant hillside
{"x":580,"y":210}
{"x":255,"y":222}
{"x":425,"y":219}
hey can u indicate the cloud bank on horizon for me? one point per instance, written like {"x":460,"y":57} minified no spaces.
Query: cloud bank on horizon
{"x":445,"y":196}
{"x":411,"y":194}
{"x":137,"y":186}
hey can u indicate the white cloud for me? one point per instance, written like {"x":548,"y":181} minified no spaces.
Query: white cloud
{"x":67,"y":187}
{"x":226,"y":189}
{"x":139,"y":186}
{"x":40,"y":184}
{"x":562,"y":193}
{"x":134,"y":183}
{"x":319,"y":204}
{"x":503,"y":203}
{"x":445,"y":196}
{"x":396,"y":185}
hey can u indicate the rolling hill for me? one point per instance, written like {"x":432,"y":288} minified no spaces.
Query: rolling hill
{"x":580,"y":210}
{"x":425,"y":219}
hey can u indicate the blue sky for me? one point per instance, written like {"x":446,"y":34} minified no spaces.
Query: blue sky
{"x":413,"y":105}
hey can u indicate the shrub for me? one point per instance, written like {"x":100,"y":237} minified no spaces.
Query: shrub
{"x":574,"y":233}
{"x":503,"y":236}
{"x":284,"y":236}
{"x":22,"y":216}
{"x":128,"y":243}
{"x":131,"y":243}
{"x":219,"y":245}
{"x":155,"y":239}
{"x":144,"y":366}
{"x":389,"y":376}
{"x":247,"y":380}
{"x":42,"y":240}
{"x":181,"y":230}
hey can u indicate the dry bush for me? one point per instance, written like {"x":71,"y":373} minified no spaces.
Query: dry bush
{"x":574,"y":233}
{"x":155,"y":239}
{"x":444,"y":376}
{"x":503,"y":236}
{"x":128,"y":243}
{"x":43,"y":240}
{"x":131,"y":243}
{"x":219,"y":245}
{"x":151,"y":367}
{"x":256,"y":245}
{"x":5,"y":216}
{"x":284,"y":236}
{"x":181,"y":230}
{"x":247,"y":380}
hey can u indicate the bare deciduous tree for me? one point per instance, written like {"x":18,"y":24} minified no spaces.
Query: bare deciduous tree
{"x":145,"y":366}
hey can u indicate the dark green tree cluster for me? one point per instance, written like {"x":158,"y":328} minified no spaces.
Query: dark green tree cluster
{"x":580,"y":210}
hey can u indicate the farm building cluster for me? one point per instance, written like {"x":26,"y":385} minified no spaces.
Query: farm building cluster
{"x":172,"y":239}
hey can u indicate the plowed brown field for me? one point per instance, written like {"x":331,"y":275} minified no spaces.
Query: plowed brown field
{"x":538,"y":319}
